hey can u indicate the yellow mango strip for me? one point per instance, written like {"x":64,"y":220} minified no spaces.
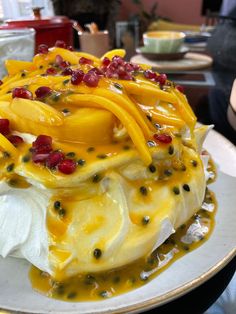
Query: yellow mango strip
{"x":166,"y":119}
{"x":184,"y":110}
{"x":185,"y":101}
{"x":137,"y":89}
{"x":15,"y":66}
{"x":9,"y":80}
{"x":88,"y":56}
{"x":36,"y":111}
{"x":128,"y":105}
{"x":126,"y":119}
{"x":7,"y":146}
{"x":49,"y":81}
{"x":6,"y":97}
{"x":45,"y":59}
{"x":115,"y":52}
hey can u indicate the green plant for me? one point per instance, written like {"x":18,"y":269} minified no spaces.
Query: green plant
{"x":145,"y":15}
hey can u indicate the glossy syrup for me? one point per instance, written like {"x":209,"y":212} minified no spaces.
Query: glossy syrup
{"x":93,"y":287}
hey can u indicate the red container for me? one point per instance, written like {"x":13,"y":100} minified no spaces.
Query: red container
{"x":48,"y":30}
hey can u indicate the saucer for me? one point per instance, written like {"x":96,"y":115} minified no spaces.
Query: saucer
{"x":163,"y":56}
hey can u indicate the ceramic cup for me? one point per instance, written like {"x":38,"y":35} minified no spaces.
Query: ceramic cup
{"x":163,"y":41}
{"x":96,"y":43}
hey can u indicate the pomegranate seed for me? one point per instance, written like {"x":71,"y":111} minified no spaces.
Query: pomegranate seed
{"x":111,"y":74}
{"x":1,"y":82}
{"x":67,"y":166}
{"x":43,"y":91}
{"x":129,"y":67}
{"x":150,"y":74}
{"x":121,"y":71}
{"x":21,"y":92}
{"x":58,"y":59}
{"x":4,"y":126}
{"x":39,"y":157}
{"x":106,"y":61}
{"x":136,"y":67}
{"x":15,"y":139}
{"x":180,"y":88}
{"x":96,"y":71}
{"x":163,"y":138}
{"x":60,"y":44}
{"x":51,"y":71}
{"x":64,"y":64}
{"x":54,"y":159}
{"x":43,"y":49}
{"x":118,"y":60}
{"x":70,"y":48}
{"x":84,"y":60}
{"x":91,"y":79}
{"x":77,"y":77}
{"x":161,"y":79}
{"x":42,"y":144}
{"x":67,"y":71}
{"x":42,"y":140}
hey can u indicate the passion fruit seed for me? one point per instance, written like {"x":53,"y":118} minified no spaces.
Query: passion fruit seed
{"x":143,"y":190}
{"x":194,"y":163}
{"x":62,"y":212}
{"x":90,"y":149}
{"x":4,"y":126}
{"x":10,"y":167}
{"x":81,"y":162}
{"x":97,"y":253}
{"x":1,"y":82}
{"x":152,"y":168}
{"x":171,"y":150}
{"x":21,"y":92}
{"x":26,"y":158}
{"x":71,"y":154}
{"x":57,"y":205}
{"x":145,"y":220}
{"x":176,"y":190}
{"x":43,"y":91}
{"x":186,"y":187}
{"x":168,"y":172}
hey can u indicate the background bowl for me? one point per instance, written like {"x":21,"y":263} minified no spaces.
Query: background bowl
{"x":163,"y":41}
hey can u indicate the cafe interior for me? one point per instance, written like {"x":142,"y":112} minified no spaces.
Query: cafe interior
{"x":191,"y":43}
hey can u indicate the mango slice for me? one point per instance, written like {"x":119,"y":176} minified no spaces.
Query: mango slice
{"x":15,"y":66}
{"x":36,"y":111}
{"x":85,"y":125}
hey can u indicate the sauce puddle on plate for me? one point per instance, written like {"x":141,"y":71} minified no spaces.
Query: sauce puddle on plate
{"x":94,"y":287}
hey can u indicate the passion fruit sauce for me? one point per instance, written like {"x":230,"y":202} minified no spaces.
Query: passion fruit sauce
{"x":97,"y":286}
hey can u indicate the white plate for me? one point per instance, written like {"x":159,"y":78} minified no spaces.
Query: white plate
{"x":185,"y":274}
